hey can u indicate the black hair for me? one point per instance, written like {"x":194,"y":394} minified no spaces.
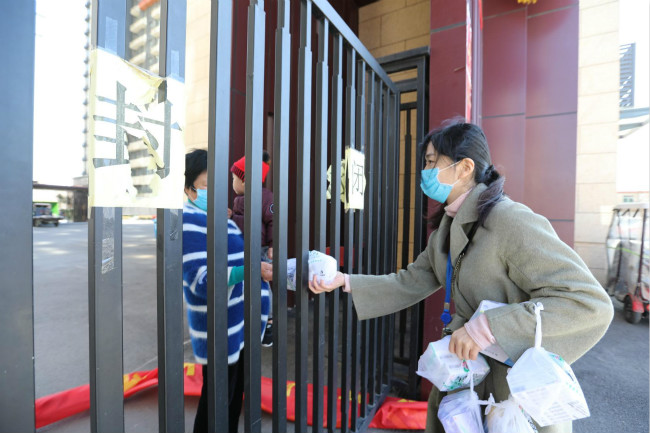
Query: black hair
{"x":458,"y":140}
{"x":196,"y":162}
{"x":266,"y":157}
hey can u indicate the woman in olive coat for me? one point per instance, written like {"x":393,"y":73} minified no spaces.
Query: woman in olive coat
{"x":512,"y":255}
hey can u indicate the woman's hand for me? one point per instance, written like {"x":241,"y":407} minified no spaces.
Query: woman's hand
{"x":320,"y":287}
{"x":267,"y":271}
{"x":463,"y":345}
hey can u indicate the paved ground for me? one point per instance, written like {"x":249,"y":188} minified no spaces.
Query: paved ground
{"x":614,"y":375}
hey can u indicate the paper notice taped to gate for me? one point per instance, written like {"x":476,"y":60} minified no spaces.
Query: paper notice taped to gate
{"x":136,"y":151}
{"x":356,"y":179}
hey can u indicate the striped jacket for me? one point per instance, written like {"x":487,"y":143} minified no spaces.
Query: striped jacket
{"x":195,"y":285}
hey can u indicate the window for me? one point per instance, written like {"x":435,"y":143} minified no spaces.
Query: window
{"x":626,"y":56}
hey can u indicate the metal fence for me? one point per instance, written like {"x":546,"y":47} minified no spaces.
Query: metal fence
{"x":413,"y":65}
{"x":355,"y":105}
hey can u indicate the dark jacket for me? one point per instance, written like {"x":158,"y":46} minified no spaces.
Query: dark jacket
{"x":267,"y":216}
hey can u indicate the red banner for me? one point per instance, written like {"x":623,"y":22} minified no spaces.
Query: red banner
{"x":393,"y":414}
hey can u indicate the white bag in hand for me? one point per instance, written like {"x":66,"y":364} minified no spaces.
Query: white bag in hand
{"x":446,"y":370}
{"x":321,"y":265}
{"x":507,"y":417}
{"x":460,"y":412}
{"x":544,"y":385}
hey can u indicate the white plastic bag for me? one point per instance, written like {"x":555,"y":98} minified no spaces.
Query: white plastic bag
{"x":321,"y":265}
{"x":460,"y":412}
{"x":494,"y":351}
{"x":507,"y":417}
{"x":448,"y":372}
{"x":544,"y":385}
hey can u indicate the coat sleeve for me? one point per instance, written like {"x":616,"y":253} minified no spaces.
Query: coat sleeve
{"x":378,"y":295}
{"x":577,"y":310}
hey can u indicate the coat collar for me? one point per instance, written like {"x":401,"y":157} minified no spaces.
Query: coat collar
{"x":460,"y":225}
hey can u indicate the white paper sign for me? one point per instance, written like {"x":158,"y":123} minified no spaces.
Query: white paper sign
{"x":136,"y":150}
{"x":356,"y":179}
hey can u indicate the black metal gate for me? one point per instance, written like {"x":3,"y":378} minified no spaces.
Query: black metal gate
{"x":359,"y":110}
{"x":413,"y":65}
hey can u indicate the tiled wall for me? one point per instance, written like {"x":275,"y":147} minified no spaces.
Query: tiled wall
{"x":598,"y":114}
{"x":390,"y":26}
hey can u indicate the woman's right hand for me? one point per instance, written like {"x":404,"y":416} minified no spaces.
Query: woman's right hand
{"x":320,"y":287}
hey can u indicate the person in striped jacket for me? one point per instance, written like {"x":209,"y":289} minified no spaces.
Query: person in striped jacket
{"x":195,"y":289}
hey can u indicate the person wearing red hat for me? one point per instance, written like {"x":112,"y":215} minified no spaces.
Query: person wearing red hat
{"x":238,"y":171}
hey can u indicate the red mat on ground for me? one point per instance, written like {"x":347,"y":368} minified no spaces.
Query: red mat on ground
{"x":393,"y":414}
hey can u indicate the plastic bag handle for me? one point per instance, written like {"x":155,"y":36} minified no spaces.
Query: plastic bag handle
{"x":471,"y":380}
{"x":490,"y":403}
{"x":538,"y":307}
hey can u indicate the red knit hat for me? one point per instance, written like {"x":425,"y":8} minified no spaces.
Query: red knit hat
{"x":239,"y":168}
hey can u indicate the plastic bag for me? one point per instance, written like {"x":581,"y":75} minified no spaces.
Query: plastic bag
{"x":446,"y":370}
{"x":321,"y":265}
{"x":544,"y":385}
{"x":507,"y":417}
{"x":494,"y":351}
{"x":460,"y":412}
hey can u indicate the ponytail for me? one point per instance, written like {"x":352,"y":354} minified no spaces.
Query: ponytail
{"x":492,"y":195}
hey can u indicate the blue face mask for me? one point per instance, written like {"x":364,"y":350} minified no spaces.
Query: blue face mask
{"x":201,"y":199}
{"x":432,"y":187}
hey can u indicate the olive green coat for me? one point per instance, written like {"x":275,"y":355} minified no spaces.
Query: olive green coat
{"x":516,"y":257}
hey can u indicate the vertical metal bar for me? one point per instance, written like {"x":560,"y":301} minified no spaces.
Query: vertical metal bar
{"x":171,"y":409}
{"x":364,"y":369}
{"x":17,"y":24}
{"x":379,"y":184}
{"x":386,"y":186}
{"x":253,"y":216}
{"x":477,"y":62}
{"x":105,"y":264}
{"x":385,"y":229}
{"x":406,"y":197}
{"x":367,"y":251}
{"x":335,"y":226}
{"x":320,"y":222}
{"x":373,"y":361}
{"x":419,"y":226}
{"x":370,"y":174}
{"x":389,"y":352}
{"x":414,"y":350}
{"x":394,"y":138}
{"x":414,"y":311}
{"x":402,"y":328}
{"x":280,"y":204}
{"x":302,"y":215}
{"x":218,"y":146}
{"x":360,"y":130}
{"x":350,"y":110}
{"x":376,"y":229}
{"x":381,"y":329}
